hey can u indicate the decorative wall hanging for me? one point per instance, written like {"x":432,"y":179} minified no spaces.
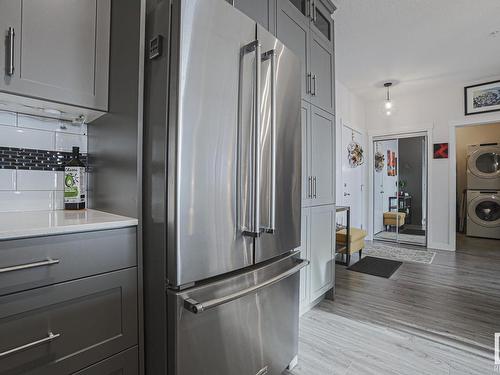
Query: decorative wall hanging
{"x":392,"y":163}
{"x":379,"y":161}
{"x":440,"y":150}
{"x":482,"y":98}
{"x":355,"y":153}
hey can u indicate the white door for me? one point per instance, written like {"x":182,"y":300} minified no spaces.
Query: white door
{"x":353,"y":178}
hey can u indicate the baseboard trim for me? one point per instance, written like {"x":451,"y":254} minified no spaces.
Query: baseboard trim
{"x":440,"y":246}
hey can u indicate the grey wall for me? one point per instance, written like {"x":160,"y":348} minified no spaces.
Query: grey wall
{"x":115,"y":139}
{"x":411,"y":170}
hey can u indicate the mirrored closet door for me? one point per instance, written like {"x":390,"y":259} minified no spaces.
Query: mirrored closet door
{"x":400,"y":189}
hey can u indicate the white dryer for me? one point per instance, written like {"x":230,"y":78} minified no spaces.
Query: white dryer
{"x":483,"y":214}
{"x":483,"y":166}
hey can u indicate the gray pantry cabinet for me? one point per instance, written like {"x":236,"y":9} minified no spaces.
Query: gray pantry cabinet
{"x":56,"y":50}
{"x":69,"y":302}
{"x":307,"y":28}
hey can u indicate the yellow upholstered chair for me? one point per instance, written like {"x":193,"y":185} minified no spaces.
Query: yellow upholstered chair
{"x":394,"y":219}
{"x":356,"y":242}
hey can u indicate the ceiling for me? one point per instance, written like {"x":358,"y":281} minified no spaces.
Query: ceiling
{"x":415,"y":42}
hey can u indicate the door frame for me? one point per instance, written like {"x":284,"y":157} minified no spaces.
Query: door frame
{"x":452,"y":157}
{"x":404,"y":132}
{"x":340,"y":187}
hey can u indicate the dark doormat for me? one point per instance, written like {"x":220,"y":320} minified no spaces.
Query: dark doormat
{"x":415,"y":232}
{"x":376,"y":266}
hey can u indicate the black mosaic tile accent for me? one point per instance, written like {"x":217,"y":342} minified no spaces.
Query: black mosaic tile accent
{"x":39,"y":160}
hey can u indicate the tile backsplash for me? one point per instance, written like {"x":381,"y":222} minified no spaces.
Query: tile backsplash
{"x":33,"y":151}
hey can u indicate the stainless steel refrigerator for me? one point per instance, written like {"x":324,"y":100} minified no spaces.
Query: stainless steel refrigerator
{"x":222,"y":193}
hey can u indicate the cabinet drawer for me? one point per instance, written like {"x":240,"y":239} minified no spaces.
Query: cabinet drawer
{"x":63,"y":328}
{"x":125,"y":363}
{"x":40,"y":261}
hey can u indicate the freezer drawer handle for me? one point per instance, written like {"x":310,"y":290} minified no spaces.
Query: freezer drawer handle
{"x":48,"y":262}
{"x":51,"y":337}
{"x":198,"y":307}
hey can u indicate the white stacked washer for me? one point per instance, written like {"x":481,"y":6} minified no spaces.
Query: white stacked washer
{"x":483,"y":166}
{"x":483,"y":190}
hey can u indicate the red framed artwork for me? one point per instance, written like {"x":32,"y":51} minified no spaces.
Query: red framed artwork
{"x":440,"y":150}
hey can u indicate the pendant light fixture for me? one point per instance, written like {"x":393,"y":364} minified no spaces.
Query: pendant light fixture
{"x":388,"y":105}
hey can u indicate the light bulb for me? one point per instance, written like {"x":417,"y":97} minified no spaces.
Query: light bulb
{"x":388,"y":113}
{"x":388,"y":104}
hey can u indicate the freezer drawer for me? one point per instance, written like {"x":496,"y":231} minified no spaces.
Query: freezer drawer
{"x":246,"y":324}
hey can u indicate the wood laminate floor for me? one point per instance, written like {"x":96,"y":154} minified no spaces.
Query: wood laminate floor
{"x":426,"y":319}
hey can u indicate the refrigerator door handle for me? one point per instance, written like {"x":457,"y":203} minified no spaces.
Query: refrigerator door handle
{"x":271,"y":55}
{"x":255,"y":230}
{"x":197,"y":307}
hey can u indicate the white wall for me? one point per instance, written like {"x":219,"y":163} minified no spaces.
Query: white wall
{"x":350,"y":111}
{"x":437,"y":107}
{"x":24,"y":188}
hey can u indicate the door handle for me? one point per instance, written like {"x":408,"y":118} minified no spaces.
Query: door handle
{"x":309,"y":83}
{"x":271,"y":55}
{"x":197,"y":307}
{"x":309,"y":188}
{"x":48,"y":262}
{"x":314,"y":84}
{"x":314,"y":184}
{"x":10,"y":50}
{"x":51,"y":337}
{"x":254,"y":231}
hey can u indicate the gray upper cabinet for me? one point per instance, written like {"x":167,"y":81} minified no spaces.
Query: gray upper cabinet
{"x":321,"y":21}
{"x":306,"y":27}
{"x":57,"y":50}
{"x":322,"y":63}
{"x":293,"y":30}
{"x":261,"y":11}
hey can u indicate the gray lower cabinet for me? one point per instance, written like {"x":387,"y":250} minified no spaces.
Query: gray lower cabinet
{"x":35,"y":262}
{"x":318,"y":246}
{"x":322,"y":250}
{"x":305,"y":254}
{"x":62,"y":328}
{"x":70,"y":302}
{"x":261,"y":11}
{"x":125,"y":363}
{"x":56,"y":50}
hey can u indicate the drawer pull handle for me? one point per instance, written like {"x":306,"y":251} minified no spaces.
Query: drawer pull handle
{"x":45,"y":340}
{"x":48,"y":262}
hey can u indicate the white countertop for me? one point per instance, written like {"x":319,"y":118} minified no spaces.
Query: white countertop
{"x":14,"y":225}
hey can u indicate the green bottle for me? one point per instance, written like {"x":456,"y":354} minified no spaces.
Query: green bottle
{"x":74,"y":183}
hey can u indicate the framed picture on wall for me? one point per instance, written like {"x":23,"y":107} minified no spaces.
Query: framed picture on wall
{"x":440,"y":150}
{"x":482,"y":98}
